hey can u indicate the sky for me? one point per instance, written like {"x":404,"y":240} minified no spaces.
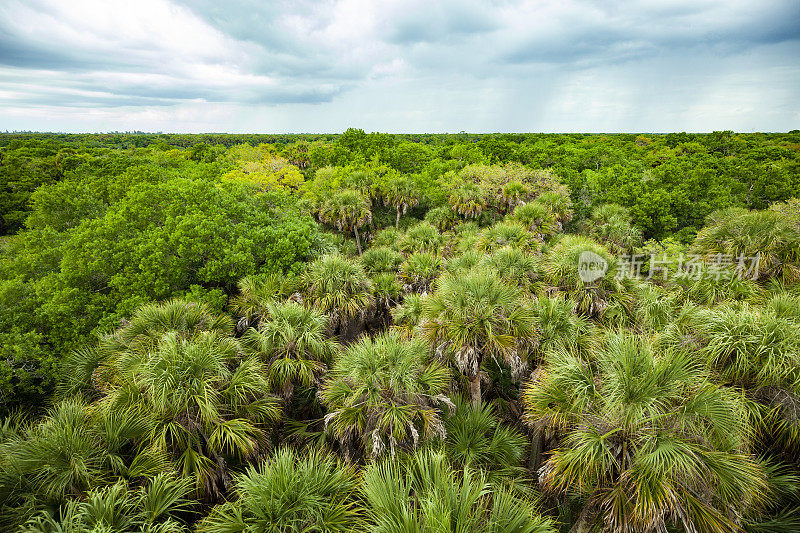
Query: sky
{"x":399,"y":65}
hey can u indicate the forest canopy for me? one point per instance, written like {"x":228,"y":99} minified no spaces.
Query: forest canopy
{"x":390,"y":332}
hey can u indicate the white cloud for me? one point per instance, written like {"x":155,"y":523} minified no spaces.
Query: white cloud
{"x":575,"y":65}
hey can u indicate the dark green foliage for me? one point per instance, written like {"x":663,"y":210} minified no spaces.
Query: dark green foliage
{"x":182,"y":348}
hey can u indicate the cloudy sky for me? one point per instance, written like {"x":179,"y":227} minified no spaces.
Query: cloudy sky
{"x":399,"y":66}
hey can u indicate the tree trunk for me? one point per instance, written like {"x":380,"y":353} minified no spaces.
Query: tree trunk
{"x":358,"y":239}
{"x":397,"y":220}
{"x":537,"y":447}
{"x":475,"y":390}
{"x":582,"y":523}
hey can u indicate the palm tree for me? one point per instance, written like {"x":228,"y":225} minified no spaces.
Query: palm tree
{"x":558,"y":326}
{"x":384,"y":394}
{"x":290,"y":493}
{"x":426,"y":493}
{"x":90,"y":366}
{"x":562,"y":273}
{"x":338,"y":287}
{"x":346,"y":210}
{"x":401,"y":193}
{"x":256,"y":293}
{"x":475,"y":315}
{"x":151,"y":321}
{"x":646,"y":439}
{"x":422,"y":237}
{"x":772,"y":234}
{"x":152,"y":508}
{"x":476,"y":439}
{"x":407,"y":316}
{"x":70,"y":451}
{"x":513,"y":265}
{"x":419,"y":271}
{"x":613,"y":224}
{"x":468,"y":200}
{"x":654,"y":307}
{"x":758,"y":351}
{"x":512,"y":194}
{"x":442,"y":218}
{"x":537,"y":218}
{"x":466,"y":261}
{"x":388,"y":292}
{"x":204,"y":403}
{"x":750,"y":347}
{"x":504,"y":234}
{"x":293,"y":344}
{"x":381,"y":259}
{"x":559,"y":203}
{"x":709,"y":286}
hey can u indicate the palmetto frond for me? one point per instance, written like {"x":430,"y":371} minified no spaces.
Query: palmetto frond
{"x":647,"y":438}
{"x":511,"y":234}
{"x":386,"y":393}
{"x":338,"y":286}
{"x":422,"y":237}
{"x":771,"y":234}
{"x":293,"y":344}
{"x":562,"y":266}
{"x":290,"y":492}
{"x":474,"y":315}
{"x":256,"y":293}
{"x":202,"y":401}
{"x":477,"y":439}
{"x":153,"y":508}
{"x":426,"y":493}
{"x":419,"y":271}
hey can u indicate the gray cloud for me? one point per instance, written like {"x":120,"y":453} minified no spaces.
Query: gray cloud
{"x":407,"y":65}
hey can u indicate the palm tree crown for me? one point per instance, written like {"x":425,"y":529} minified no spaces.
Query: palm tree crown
{"x":474,"y":315}
{"x":347,"y":210}
{"x":385,"y":393}
{"x":293,"y":344}
{"x":646,"y":438}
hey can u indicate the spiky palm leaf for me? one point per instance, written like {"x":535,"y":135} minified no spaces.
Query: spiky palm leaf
{"x":648,"y":439}
{"x":293,"y":344}
{"x":425,"y":493}
{"x":475,"y":315}
{"x":338,"y":287}
{"x":385,"y":394}
{"x":204,"y":403}
{"x":256,"y":292}
{"x":290,"y":493}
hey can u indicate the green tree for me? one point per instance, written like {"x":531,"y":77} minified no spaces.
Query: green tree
{"x":339,"y":287}
{"x":290,"y":493}
{"x":157,"y":507}
{"x":346,"y":210}
{"x":401,"y":193}
{"x":70,"y":451}
{"x":293,"y":344}
{"x":648,"y":440}
{"x":772,"y":235}
{"x":425,"y":493}
{"x":205,"y":405}
{"x":384,"y":394}
{"x":474,"y":315}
